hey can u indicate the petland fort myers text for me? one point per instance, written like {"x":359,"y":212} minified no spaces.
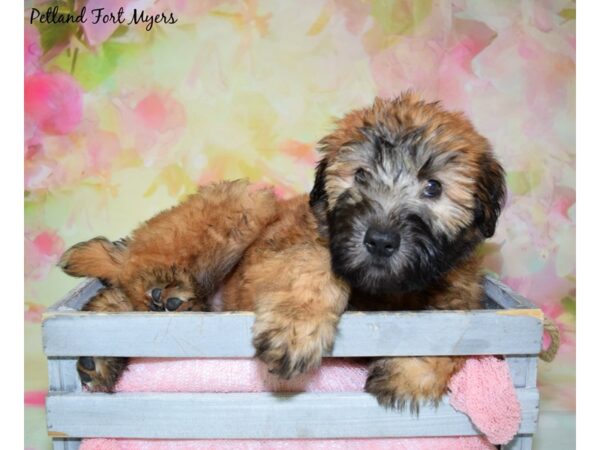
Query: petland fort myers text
{"x":54,"y":15}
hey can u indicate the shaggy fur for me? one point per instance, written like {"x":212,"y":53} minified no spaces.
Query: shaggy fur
{"x":173,"y":262}
{"x":403,"y":194}
{"x":184,"y":252}
{"x":375,"y":174}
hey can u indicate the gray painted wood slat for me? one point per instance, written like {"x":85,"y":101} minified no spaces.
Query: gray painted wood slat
{"x":229,"y":334}
{"x":520,"y":442}
{"x":65,"y":444}
{"x":62,"y":375}
{"x":511,"y":325}
{"x":505,"y":296}
{"x":256,"y":415}
{"x":497,"y":296}
{"x":77,"y":297}
{"x":523,"y":370}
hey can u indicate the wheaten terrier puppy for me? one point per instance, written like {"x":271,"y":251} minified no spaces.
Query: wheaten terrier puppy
{"x":403,"y":194}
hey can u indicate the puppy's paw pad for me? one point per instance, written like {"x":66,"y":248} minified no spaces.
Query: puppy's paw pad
{"x":155,"y":294}
{"x":177,"y":297}
{"x":173,"y":303}
{"x":100,"y":374}
{"x":86,"y":368}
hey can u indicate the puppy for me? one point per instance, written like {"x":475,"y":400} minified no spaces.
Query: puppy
{"x":173,"y":262}
{"x":403,"y":194}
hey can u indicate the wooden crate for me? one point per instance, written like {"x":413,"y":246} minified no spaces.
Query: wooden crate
{"x":509,"y":326}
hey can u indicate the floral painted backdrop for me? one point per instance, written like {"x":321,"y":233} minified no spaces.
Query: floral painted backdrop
{"x":121,"y":122}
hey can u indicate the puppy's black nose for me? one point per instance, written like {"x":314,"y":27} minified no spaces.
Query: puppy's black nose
{"x":381,"y":243}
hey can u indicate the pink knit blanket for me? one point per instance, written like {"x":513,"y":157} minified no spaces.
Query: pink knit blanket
{"x":482,"y":389}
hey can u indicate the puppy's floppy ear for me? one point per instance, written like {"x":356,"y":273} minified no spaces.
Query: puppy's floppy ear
{"x":97,"y":258}
{"x":318,"y":196}
{"x":490,"y":194}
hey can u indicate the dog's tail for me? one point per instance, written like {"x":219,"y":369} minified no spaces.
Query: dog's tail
{"x":96,"y":258}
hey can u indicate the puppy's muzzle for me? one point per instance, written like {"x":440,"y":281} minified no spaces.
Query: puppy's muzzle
{"x":382,"y":243}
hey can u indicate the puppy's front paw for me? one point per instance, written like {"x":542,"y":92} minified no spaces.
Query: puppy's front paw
{"x":100,"y":374}
{"x":389,"y":389}
{"x":401,"y":382}
{"x":174,"y":298}
{"x":290,"y":347}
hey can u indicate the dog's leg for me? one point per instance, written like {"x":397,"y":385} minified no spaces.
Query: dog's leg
{"x":101,"y":374}
{"x":398,"y":382}
{"x":178,"y":258}
{"x":298,"y":303}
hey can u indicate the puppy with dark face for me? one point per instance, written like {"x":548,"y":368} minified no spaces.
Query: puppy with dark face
{"x":403,"y":194}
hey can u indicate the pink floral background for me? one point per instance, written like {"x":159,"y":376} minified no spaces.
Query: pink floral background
{"x":121,"y":122}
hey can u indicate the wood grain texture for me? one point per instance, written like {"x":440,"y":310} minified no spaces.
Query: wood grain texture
{"x":504,"y":296}
{"x":62,"y":375}
{"x":77,"y":297}
{"x":510,"y":326}
{"x":523,"y":370}
{"x":65,"y":444}
{"x":256,"y":415}
{"x":229,"y":334}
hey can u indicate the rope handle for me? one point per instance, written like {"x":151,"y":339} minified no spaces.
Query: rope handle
{"x":552,"y":329}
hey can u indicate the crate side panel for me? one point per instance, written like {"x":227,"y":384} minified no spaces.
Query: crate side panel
{"x":62,"y":375}
{"x":230,"y":335}
{"x":520,"y":442}
{"x":263,"y":415}
{"x":498,"y":295}
{"x":78,"y":296}
{"x":65,"y":444}
{"x":504,"y":296}
{"x":532,"y":368}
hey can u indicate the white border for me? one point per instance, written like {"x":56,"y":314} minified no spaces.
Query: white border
{"x":588,"y":214}
{"x":588,"y":193}
{"x":11,"y":260}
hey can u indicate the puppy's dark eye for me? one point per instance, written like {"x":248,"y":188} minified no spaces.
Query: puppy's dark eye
{"x":433,"y":189}
{"x":360,"y":176}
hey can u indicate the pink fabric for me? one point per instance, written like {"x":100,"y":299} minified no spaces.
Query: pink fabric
{"x":483,"y":390}
{"x":444,"y":443}
{"x":236,"y":375}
